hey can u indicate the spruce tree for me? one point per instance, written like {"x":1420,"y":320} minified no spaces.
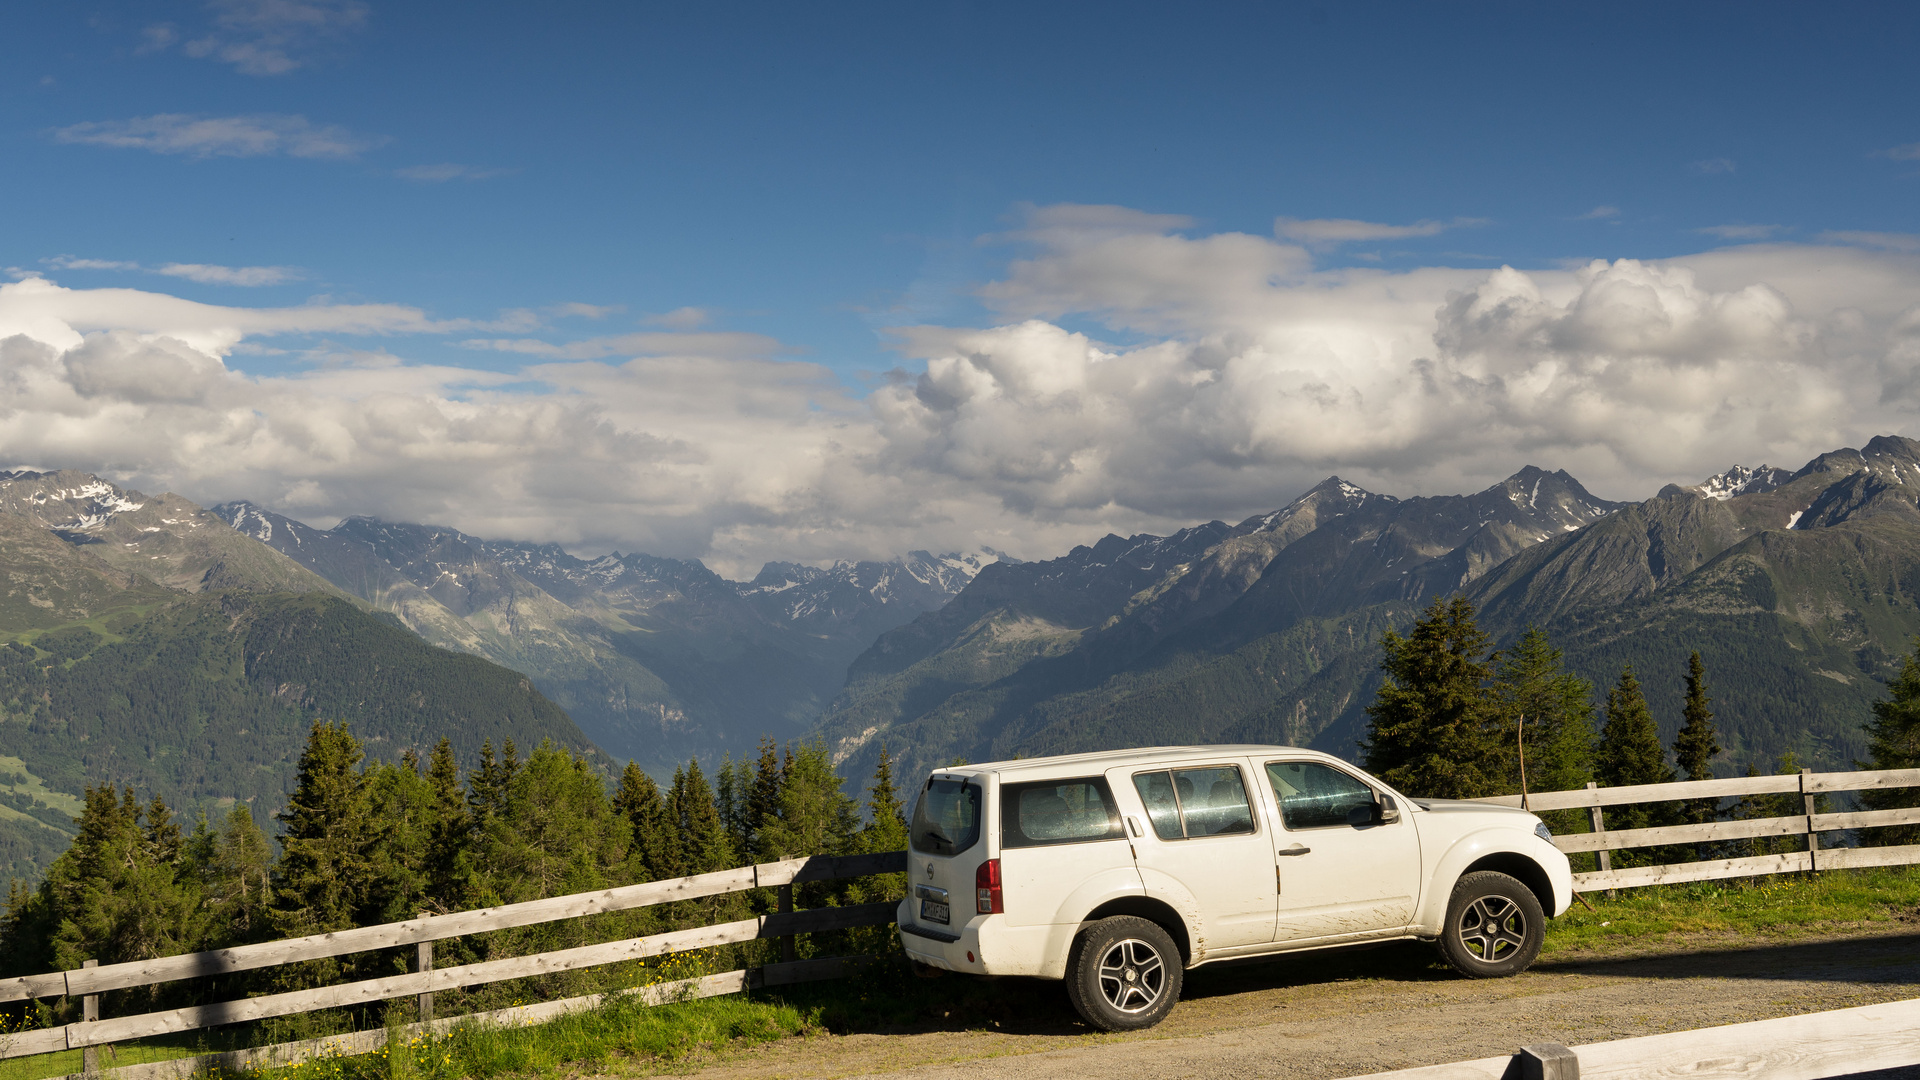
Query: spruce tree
{"x":1893,"y":742}
{"x":1427,"y":729}
{"x":656,"y":851}
{"x":560,"y":833}
{"x":1533,"y":687}
{"x":325,"y":878}
{"x":449,"y":859}
{"x":111,"y":897}
{"x":1697,"y":742}
{"x":1630,"y":754}
{"x":402,"y":801}
{"x":238,"y":877}
{"x":690,"y":804}
{"x":762,"y":802}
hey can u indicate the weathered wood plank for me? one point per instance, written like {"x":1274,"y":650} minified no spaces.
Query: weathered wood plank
{"x":37,"y":1041}
{"x":1632,"y":876}
{"x":1841,"y":1042}
{"x":1863,"y":780}
{"x":1866,"y":819}
{"x":458,"y":924}
{"x":1683,"y":834}
{"x":1646,"y":793}
{"x":1841,"y":858}
{"x":814,"y":920}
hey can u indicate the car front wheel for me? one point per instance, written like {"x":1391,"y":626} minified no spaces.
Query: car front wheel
{"x":1124,"y":974}
{"x":1494,"y":926}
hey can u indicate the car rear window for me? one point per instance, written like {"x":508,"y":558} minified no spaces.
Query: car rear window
{"x":946,"y":820}
{"x":1188,"y":803}
{"x":1058,"y":812}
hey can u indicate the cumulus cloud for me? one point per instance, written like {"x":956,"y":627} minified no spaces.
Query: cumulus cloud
{"x":1331,"y":232}
{"x":1240,"y":374}
{"x":257,"y":135}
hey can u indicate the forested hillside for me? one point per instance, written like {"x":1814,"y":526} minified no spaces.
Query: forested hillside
{"x":144,"y":642}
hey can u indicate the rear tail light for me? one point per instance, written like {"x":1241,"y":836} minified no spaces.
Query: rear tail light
{"x":987,"y":897}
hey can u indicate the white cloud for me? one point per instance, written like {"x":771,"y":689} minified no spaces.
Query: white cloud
{"x":440,"y":174}
{"x":204,"y":273}
{"x":262,"y":37}
{"x":685,"y":318}
{"x":1740,"y":232}
{"x":1892,"y":241}
{"x":1715,"y":166}
{"x":1331,"y":232}
{"x":1247,"y":375}
{"x":1908,"y":152}
{"x":1600,"y":213}
{"x":258,"y":135}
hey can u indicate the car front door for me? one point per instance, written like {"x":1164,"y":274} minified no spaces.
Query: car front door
{"x":1338,"y":877}
{"x":1202,"y":834}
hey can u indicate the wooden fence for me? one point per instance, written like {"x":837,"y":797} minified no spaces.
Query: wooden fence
{"x":90,"y":981}
{"x":1810,"y":824}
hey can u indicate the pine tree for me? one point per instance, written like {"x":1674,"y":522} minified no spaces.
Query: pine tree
{"x":1630,"y":754}
{"x":1698,"y":742}
{"x":886,"y":828}
{"x":1893,"y":742}
{"x":656,"y":851}
{"x":111,"y":899}
{"x":1427,"y":730}
{"x":402,"y":801}
{"x":560,"y":833}
{"x":325,"y":879}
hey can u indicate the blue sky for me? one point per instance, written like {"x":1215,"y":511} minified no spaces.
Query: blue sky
{"x":824,"y":175}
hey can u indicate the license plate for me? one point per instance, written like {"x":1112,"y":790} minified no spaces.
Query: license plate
{"x":935,"y":911}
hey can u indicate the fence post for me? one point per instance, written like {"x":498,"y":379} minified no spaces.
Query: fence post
{"x":1813,"y":838}
{"x":1599,"y":821}
{"x":89,"y":1012}
{"x":424,"y":962}
{"x":787,"y":951}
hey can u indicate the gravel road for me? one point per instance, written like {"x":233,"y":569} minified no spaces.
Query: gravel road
{"x":1325,"y":1015}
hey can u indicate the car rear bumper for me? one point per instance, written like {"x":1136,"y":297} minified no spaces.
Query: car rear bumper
{"x":983,"y":945}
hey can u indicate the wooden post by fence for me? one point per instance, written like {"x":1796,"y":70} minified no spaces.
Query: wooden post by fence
{"x":1813,"y":838}
{"x":89,"y":1012}
{"x":1599,"y":821}
{"x":425,"y":963}
{"x":787,"y":950}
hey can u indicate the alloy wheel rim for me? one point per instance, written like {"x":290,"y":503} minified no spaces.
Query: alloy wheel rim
{"x":1132,"y":976}
{"x":1492,"y":929}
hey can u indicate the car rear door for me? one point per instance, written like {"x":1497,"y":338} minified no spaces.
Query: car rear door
{"x":1337,"y":879}
{"x":1201,"y":836}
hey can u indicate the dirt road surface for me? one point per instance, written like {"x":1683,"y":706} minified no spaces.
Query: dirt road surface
{"x":1324,"y":1016}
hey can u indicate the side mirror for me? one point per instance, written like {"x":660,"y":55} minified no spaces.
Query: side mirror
{"x":1389,"y":810}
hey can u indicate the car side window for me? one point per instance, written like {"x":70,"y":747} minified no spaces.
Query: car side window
{"x":1315,"y":796}
{"x":1058,"y":812}
{"x":1187,"y":803}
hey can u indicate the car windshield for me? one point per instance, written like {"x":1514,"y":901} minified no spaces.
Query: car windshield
{"x":946,"y":820}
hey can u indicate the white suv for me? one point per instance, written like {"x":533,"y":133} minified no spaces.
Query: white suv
{"x":1116,"y":871}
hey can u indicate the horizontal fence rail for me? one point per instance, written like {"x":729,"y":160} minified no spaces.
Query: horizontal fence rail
{"x":94,"y":980}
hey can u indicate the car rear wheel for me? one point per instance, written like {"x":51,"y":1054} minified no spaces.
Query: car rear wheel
{"x":1494,"y":926}
{"x":1124,"y":974}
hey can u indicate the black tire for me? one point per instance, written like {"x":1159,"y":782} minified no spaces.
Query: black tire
{"x":1124,"y":974}
{"x":1494,"y":926}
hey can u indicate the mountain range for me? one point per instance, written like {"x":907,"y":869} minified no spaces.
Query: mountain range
{"x":1798,"y":588}
{"x":657,"y":659}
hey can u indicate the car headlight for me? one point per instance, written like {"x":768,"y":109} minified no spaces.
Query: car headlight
{"x":1540,"y":830}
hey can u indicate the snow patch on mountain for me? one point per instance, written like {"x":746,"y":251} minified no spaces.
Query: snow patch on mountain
{"x":1741,"y":480}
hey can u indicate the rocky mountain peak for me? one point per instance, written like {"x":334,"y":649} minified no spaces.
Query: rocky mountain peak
{"x":1741,"y":480}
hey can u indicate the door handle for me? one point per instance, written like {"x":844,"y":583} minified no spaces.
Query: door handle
{"x":1297,"y":849}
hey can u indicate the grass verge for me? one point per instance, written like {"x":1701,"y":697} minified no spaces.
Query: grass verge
{"x":1784,"y":905}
